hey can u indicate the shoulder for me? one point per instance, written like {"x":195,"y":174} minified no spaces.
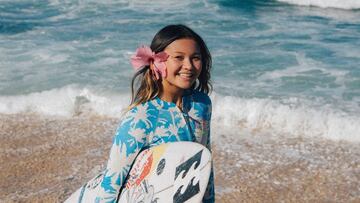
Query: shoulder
{"x":142,"y":115}
{"x":147,"y":108}
{"x":200,"y":97}
{"x":201,"y":105}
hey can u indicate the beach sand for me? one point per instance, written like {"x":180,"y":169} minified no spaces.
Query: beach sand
{"x":45,"y":159}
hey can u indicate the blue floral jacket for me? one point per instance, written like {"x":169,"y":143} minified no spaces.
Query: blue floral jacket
{"x":152,"y":123}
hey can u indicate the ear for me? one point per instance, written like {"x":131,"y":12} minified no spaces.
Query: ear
{"x":152,"y":66}
{"x":152,"y":72}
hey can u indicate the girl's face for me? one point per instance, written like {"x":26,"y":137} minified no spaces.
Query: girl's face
{"x":183,"y":65}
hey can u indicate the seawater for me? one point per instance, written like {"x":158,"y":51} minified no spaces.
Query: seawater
{"x":291,"y":67}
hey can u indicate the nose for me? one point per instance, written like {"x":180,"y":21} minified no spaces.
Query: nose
{"x":188,"y":65}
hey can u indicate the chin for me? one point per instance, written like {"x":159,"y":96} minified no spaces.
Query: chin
{"x":185,"y":86}
{"x":181,"y":85}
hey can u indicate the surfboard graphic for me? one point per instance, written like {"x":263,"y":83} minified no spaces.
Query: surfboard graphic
{"x":173,"y":172}
{"x":179,"y":173}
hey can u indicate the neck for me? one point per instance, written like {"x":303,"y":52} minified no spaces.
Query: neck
{"x":172,"y":96}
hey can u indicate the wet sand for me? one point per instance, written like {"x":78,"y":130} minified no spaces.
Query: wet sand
{"x":45,"y":159}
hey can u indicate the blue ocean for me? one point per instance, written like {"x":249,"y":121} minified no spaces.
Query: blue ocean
{"x":289,"y":67}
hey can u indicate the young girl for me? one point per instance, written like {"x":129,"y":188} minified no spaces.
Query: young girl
{"x":171,"y":104}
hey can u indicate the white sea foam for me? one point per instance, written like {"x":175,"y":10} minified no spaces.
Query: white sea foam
{"x":289,"y":118}
{"x":342,"y":4}
{"x":305,"y":64}
{"x":66,"y":101}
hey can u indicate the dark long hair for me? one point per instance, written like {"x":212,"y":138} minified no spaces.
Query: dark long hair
{"x":149,"y":87}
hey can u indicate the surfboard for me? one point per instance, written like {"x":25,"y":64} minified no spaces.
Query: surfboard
{"x":173,"y":172}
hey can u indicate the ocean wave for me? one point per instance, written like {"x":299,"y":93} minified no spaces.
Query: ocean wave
{"x":344,"y":4}
{"x":66,"y":102}
{"x":289,"y":118}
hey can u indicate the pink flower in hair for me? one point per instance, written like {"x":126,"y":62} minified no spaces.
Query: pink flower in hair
{"x":144,"y":56}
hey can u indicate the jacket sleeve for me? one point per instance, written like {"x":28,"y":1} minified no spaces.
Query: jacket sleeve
{"x":209,"y":196}
{"x":129,"y":139}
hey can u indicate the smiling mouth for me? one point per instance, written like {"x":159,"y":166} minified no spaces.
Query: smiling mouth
{"x":186,"y":76}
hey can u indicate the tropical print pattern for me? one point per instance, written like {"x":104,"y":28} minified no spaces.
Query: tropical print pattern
{"x":149,"y":124}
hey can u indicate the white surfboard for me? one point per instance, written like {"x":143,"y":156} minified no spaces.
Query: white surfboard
{"x":173,"y":172}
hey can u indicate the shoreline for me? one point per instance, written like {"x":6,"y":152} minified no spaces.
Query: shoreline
{"x":46,"y":159}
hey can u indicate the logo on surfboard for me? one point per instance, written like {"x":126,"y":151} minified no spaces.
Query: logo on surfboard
{"x":188,"y":170}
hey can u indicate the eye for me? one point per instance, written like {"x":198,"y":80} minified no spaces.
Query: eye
{"x":196,"y":58}
{"x":180,"y":58}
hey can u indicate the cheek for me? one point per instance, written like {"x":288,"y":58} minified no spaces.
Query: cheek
{"x":171,"y":66}
{"x":171,"y":70}
{"x":198,"y":67}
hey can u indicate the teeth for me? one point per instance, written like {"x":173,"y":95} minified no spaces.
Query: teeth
{"x":186,"y":74}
